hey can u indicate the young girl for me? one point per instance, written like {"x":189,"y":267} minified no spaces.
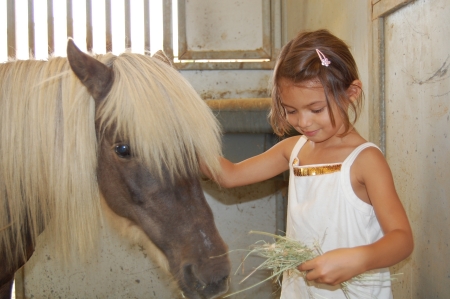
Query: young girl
{"x":341,"y":191}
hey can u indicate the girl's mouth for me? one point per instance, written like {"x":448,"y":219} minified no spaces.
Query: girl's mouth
{"x":310,"y":133}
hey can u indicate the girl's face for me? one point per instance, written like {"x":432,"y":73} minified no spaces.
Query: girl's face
{"x":306,"y":110}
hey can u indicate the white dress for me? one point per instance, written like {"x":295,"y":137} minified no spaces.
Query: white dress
{"x":323,"y":209}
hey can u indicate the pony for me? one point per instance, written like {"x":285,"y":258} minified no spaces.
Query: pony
{"x":128,"y":129}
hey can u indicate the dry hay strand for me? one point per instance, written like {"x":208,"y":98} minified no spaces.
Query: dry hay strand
{"x":286,"y":254}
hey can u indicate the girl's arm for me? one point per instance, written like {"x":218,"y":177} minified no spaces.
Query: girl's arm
{"x":255,"y":169}
{"x":340,"y":265}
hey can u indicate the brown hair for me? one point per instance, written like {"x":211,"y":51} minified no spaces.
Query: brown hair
{"x":299,"y":62}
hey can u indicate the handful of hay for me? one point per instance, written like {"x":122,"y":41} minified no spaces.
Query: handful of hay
{"x":286,"y":254}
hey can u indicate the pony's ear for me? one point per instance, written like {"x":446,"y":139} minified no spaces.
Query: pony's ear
{"x":163,"y":57}
{"x":96,"y":76}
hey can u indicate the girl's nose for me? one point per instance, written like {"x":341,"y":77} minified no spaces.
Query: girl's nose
{"x":304,"y":121}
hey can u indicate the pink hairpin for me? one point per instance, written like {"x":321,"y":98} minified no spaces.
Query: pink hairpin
{"x":323,"y":58}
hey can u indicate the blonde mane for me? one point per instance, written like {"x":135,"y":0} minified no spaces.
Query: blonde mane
{"x":161,"y":116}
{"x":49,"y":146}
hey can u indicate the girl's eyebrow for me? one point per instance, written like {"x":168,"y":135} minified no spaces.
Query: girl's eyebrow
{"x":316,"y":102}
{"x":284,"y":105}
{"x":310,"y":104}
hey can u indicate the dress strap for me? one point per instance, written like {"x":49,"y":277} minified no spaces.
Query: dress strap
{"x":352,"y":157}
{"x":301,"y":141}
{"x":346,"y":179}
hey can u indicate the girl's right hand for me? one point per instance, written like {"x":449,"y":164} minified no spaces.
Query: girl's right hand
{"x":335,"y":266}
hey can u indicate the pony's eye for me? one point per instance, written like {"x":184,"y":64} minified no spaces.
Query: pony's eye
{"x":123,"y":150}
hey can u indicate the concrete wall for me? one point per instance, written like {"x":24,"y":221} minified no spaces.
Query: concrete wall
{"x":417,"y":91}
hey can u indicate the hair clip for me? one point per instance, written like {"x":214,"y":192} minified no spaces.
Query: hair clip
{"x":323,"y":58}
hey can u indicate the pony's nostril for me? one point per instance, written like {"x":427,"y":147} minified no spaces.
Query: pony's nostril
{"x":200,"y":285}
{"x":207,"y":280}
{"x":225,"y":278}
{"x":192,"y":271}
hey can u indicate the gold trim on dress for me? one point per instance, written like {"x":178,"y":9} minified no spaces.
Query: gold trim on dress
{"x":317,"y":170}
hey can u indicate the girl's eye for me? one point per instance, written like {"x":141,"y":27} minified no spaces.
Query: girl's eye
{"x":318,"y":111}
{"x":290,"y":111}
{"x":123,"y":150}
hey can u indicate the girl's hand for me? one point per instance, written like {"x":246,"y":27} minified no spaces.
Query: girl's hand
{"x":334,"y":267}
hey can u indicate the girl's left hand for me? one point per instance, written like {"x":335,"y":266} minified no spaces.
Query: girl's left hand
{"x":334,"y":267}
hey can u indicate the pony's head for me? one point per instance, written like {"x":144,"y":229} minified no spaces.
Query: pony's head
{"x":132,"y":135}
{"x":151,"y":129}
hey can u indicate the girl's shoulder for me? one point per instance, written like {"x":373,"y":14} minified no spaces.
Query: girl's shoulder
{"x":370,"y":163}
{"x":287,"y":145}
{"x":290,"y":142}
{"x":364,"y":150}
{"x":369,"y":155}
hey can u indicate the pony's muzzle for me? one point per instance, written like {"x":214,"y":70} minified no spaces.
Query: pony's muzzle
{"x":209,"y":281}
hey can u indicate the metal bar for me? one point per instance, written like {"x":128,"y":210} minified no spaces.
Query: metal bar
{"x":147,"y":26}
{"x":108,"y":25}
{"x":267,"y":15}
{"x":182,"y":34}
{"x":167,"y":29}
{"x":382,"y":81}
{"x":281,"y":196}
{"x":69,"y":18}
{"x":376,"y":101}
{"x":19,"y":283}
{"x":127,"y":25}
{"x":89,"y":27}
{"x":11,"y":24}
{"x":276,"y":28}
{"x":31,"y":30}
{"x":50,"y":27}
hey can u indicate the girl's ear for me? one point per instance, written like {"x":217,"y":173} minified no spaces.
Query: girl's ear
{"x":355,"y":90}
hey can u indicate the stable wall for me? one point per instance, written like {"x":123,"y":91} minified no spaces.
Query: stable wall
{"x":417,"y":98}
